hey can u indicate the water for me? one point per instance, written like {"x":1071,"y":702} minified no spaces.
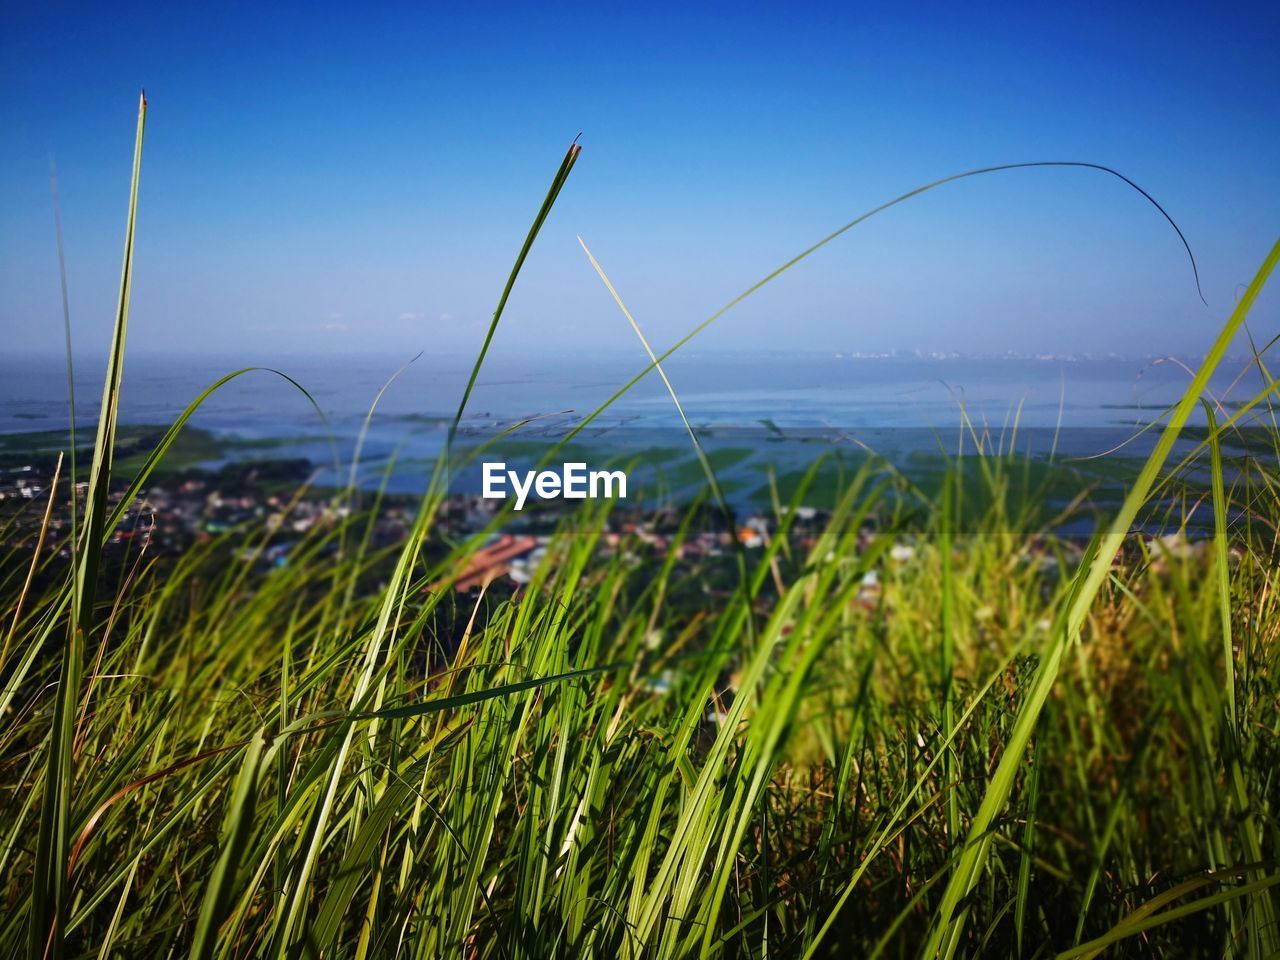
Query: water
{"x":739,"y":401}
{"x":800,"y":390}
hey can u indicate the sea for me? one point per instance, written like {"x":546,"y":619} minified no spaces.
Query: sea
{"x":392,"y":415}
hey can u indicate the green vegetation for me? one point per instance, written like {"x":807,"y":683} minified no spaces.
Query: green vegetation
{"x":1007,"y":744}
{"x":191,"y":448}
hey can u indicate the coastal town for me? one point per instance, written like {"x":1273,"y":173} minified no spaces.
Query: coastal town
{"x":197,"y":506}
{"x":264,"y":511}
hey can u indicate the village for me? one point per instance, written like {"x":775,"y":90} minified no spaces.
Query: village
{"x":199,"y":505}
{"x":273,"y":498}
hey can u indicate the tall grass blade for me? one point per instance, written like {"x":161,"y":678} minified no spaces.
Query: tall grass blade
{"x":72,"y":475}
{"x":297,"y":888}
{"x":235,"y":835}
{"x":949,"y":919}
{"x":47,"y":920}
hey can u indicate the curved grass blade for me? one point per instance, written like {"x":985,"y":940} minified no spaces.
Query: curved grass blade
{"x":1143,"y":919}
{"x":809,"y":251}
{"x":153,"y":459}
{"x":479,"y":696}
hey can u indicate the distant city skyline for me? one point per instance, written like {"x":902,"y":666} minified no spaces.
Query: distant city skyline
{"x":325,"y":182}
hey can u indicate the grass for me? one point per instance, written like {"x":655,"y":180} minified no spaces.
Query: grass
{"x":1011,"y":748}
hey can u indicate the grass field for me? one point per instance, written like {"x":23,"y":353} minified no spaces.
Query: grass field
{"x":1017,"y":747}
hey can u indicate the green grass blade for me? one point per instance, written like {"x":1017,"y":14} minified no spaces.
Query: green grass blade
{"x":235,"y":835}
{"x":557,"y":183}
{"x":1143,"y":919}
{"x":73,"y":475}
{"x":949,"y":921}
{"x":50,"y":898}
{"x":862,"y":218}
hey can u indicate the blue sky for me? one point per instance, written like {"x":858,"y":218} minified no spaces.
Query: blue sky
{"x":359,"y":177}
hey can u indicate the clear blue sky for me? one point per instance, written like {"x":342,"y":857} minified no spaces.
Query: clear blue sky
{"x":359,"y":176}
